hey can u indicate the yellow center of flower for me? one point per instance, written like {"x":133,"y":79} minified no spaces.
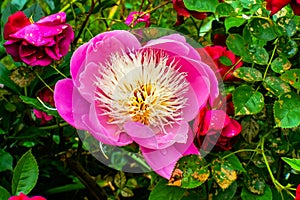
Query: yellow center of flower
{"x":141,"y":87}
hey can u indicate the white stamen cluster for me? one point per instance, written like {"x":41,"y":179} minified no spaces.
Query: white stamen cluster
{"x":141,"y":87}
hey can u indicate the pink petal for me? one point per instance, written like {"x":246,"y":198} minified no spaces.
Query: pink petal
{"x":13,"y":50}
{"x":87,"y":80}
{"x":107,"y":134}
{"x":70,"y":105}
{"x":163,"y":161}
{"x":104,"y":44}
{"x":52,"y":20}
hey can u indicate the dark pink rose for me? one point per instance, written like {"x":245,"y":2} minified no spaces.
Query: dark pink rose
{"x":275,"y":5}
{"x":182,"y":12}
{"x":136,"y":17}
{"x":46,"y":95}
{"x":298,"y":193}
{"x":37,"y":43}
{"x":216,"y":52}
{"x":22,"y":196}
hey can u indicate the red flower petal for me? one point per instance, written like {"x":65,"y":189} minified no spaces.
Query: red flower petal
{"x":15,"y":22}
{"x":275,"y":5}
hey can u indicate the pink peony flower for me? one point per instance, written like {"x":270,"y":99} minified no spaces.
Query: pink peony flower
{"x":46,"y":95}
{"x":132,"y":93}
{"x":22,"y":196}
{"x":134,"y":17}
{"x":216,"y":52}
{"x":298,"y":193}
{"x":37,"y":43}
{"x":275,"y":5}
{"x":182,"y":12}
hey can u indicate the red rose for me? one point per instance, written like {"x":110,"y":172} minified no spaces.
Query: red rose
{"x":37,"y":43}
{"x":298,"y":193}
{"x":46,"y":95}
{"x":182,"y":12}
{"x":216,"y":52}
{"x":22,"y":196}
{"x":275,"y":5}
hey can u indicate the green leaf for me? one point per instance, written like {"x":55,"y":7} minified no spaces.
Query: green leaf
{"x":247,"y":195}
{"x":201,"y":6}
{"x":262,"y":29}
{"x":225,"y":194}
{"x":280,"y":64}
{"x":223,"y":173}
{"x":6,"y":161}
{"x":50,"y":3}
{"x":235,"y":162}
{"x":287,"y":47}
{"x":35,"y":11}
{"x":7,"y":11}
{"x":166,"y":192}
{"x":4,"y":79}
{"x":189,"y":172}
{"x":119,"y":26}
{"x":293,"y":162}
{"x":236,"y":44}
{"x":287,"y":26}
{"x":248,"y":74}
{"x":250,"y":129}
{"x":225,"y":61}
{"x":4,"y":194}
{"x":287,"y":111}
{"x":233,"y":22}
{"x":36,"y":104}
{"x":120,"y":179}
{"x":127,"y":192}
{"x":247,"y":101}
{"x":25,"y":174}
{"x":224,"y":9}
{"x":292,"y":77}
{"x":276,"y":86}
{"x":254,"y":182}
{"x":256,"y":54}
{"x":19,"y":3}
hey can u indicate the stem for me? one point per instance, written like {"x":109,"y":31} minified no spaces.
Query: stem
{"x":67,"y":6}
{"x":84,"y":23}
{"x":58,"y":71}
{"x":43,"y":81}
{"x":271,"y":59}
{"x":233,"y":66}
{"x":238,"y":151}
{"x":53,"y":126}
{"x":94,"y":189}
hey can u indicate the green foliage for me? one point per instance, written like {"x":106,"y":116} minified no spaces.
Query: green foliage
{"x":247,"y":195}
{"x":25,"y":174}
{"x":248,"y":74}
{"x":247,"y":101}
{"x":287,"y":110}
{"x":163,"y":191}
{"x":4,"y":194}
{"x":6,"y":161}
{"x":294,"y":163}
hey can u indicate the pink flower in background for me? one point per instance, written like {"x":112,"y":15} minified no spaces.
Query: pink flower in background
{"x":134,"y":17}
{"x":216,"y":52}
{"x":39,"y":43}
{"x":132,"y":93}
{"x":22,"y":196}
{"x":46,"y":95}
{"x":182,"y":12}
{"x":275,"y":5}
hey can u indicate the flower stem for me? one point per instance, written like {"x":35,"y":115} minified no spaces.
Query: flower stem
{"x":233,"y":66}
{"x":271,"y":59}
{"x":58,"y":71}
{"x":41,"y":79}
{"x":53,"y":126}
